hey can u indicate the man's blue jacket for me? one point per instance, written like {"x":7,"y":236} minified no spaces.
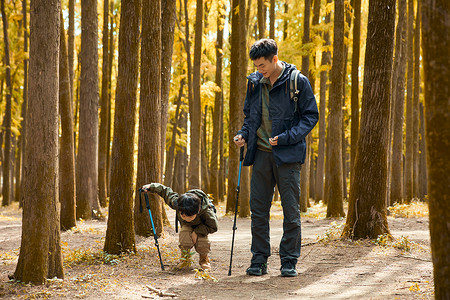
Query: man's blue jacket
{"x":291,"y":120}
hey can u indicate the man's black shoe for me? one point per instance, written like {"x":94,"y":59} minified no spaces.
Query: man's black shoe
{"x":257,"y":269}
{"x":288,"y":270}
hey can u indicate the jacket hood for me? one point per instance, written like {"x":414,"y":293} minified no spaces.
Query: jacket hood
{"x":204,"y":199}
{"x":255,"y":77}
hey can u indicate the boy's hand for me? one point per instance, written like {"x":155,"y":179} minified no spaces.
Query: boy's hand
{"x":146,"y":187}
{"x":194,"y":237}
{"x":239,"y":140}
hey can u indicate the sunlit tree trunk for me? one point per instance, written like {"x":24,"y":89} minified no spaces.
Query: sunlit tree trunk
{"x":66,"y":153}
{"x":204,"y":152}
{"x":409,"y":146}
{"x":367,"y":203}
{"x":334,"y":160}
{"x":423,"y":159}
{"x":149,"y":158}
{"x":87,"y":160}
{"x":261,"y":19}
{"x":272,"y":19}
{"x":40,"y":251}
{"x":104,"y":108}
{"x":195,"y":106}
{"x":416,"y":120}
{"x":326,"y":61}
{"x":7,"y":117}
{"x":120,"y":231}
{"x":398,"y":96}
{"x":435,"y":45}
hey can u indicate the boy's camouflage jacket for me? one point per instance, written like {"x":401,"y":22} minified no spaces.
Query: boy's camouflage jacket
{"x":206,"y":220}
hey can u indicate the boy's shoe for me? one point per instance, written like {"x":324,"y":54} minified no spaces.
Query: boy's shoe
{"x":204,"y":262}
{"x":257,"y":269}
{"x":288,"y":269}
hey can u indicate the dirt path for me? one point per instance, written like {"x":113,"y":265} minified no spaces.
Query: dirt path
{"x":328,"y":269}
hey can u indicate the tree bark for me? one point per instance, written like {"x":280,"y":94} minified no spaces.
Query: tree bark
{"x":168,"y":11}
{"x":195,"y":106}
{"x":87,"y":160}
{"x":71,"y":45}
{"x":204,"y":153}
{"x":7,"y":118}
{"x":66,"y":154}
{"x":367,"y":203}
{"x":217,"y":124}
{"x":104,"y":108}
{"x":416,"y":120}
{"x":272,"y":19}
{"x":261,"y":20}
{"x":335,"y":197}
{"x":40,"y":251}
{"x":120,"y":231}
{"x":149,"y":156}
{"x":326,"y":61}
{"x":398,"y":94}
{"x":423,"y":159}
{"x":409,"y":146}
{"x":435,"y":45}
{"x":355,"y":80}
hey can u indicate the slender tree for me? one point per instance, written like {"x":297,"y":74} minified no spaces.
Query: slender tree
{"x":423,"y":159}
{"x":272,"y":19}
{"x":7,"y":118}
{"x":409,"y":146}
{"x":168,"y":16}
{"x":40,"y":251}
{"x":120,"y":231}
{"x":326,"y":61}
{"x":355,"y":79}
{"x":398,"y":94}
{"x":367,"y":204}
{"x":195,"y":105}
{"x":261,"y":20}
{"x":334,"y":160}
{"x":71,"y":44}
{"x":104,"y":108}
{"x":214,"y":184}
{"x":149,"y":156}
{"x":87,"y":160}
{"x":416,"y":120}
{"x":435,"y":45}
{"x":66,"y":153}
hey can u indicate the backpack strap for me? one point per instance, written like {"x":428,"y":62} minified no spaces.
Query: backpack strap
{"x":294,"y":92}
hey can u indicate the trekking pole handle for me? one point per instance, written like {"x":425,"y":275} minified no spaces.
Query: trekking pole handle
{"x":241,"y":156}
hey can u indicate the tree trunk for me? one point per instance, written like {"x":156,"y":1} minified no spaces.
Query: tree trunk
{"x":168,"y":11}
{"x":409,"y":146}
{"x":87,"y":160}
{"x":66,"y":157}
{"x":7,"y":118}
{"x":272,"y":19}
{"x":120,"y":231}
{"x":416,"y":121}
{"x":355,"y":80}
{"x":71,"y":45}
{"x":149,"y":158}
{"x":398,"y":94}
{"x":435,"y":45}
{"x":104,"y":108}
{"x":170,"y":160}
{"x":40,"y":251}
{"x":312,"y":175}
{"x":367,"y":203}
{"x":179,"y":176}
{"x":261,"y":19}
{"x":423,"y":158}
{"x":195,"y":106}
{"x":217,"y":124}
{"x":335,"y":200}
{"x":326,"y":60}
{"x":304,"y":181}
{"x":285,"y":22}
{"x":222,"y":168}
{"x":204,"y":153}
{"x":23,"y":125}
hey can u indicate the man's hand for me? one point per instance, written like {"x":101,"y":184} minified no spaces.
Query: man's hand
{"x":273,"y":141}
{"x":194,"y":237}
{"x":239,"y":141}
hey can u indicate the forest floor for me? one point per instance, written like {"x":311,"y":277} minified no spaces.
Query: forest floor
{"x":329,"y":267}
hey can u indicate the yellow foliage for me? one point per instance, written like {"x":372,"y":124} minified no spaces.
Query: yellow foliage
{"x":415,"y":209}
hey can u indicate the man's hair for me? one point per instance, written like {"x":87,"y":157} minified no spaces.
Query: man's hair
{"x":266,"y":48}
{"x":188,"y":204}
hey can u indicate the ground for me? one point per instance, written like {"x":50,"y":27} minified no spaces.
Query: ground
{"x":328,"y":267}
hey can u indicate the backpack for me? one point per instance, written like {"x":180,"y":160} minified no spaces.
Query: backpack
{"x":294,"y":91}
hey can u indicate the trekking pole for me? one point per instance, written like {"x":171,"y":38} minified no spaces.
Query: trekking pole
{"x":147,"y":203}
{"x":241,"y":158}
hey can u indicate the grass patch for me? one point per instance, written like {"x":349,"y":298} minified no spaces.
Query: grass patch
{"x":416,"y":209}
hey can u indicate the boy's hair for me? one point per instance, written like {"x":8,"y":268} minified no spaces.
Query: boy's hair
{"x":266,"y":48}
{"x":188,"y":204}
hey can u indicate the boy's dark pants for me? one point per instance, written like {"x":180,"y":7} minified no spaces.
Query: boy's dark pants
{"x":264,"y":177}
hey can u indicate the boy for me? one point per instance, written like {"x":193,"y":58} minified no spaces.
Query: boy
{"x":197,"y":216}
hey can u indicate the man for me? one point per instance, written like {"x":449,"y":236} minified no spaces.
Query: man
{"x":275,"y":127}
